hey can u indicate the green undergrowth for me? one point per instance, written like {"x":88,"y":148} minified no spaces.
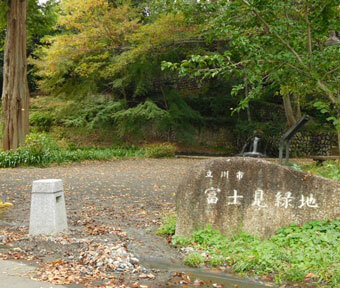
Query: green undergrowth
{"x":160,"y":150}
{"x":307,"y":253}
{"x":328,"y":169}
{"x":168,"y":226}
{"x":41,"y":150}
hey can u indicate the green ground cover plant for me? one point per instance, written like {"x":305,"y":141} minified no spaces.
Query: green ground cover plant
{"x":309,"y":252}
{"x":41,"y":150}
{"x":160,"y":150}
{"x":168,"y":226}
{"x":328,"y":169}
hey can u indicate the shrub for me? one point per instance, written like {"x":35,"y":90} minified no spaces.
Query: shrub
{"x":160,"y":150}
{"x":40,"y":150}
{"x":130,"y":121}
{"x":42,"y":120}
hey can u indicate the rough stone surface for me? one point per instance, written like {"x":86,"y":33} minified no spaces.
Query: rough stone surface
{"x":257,"y":196}
{"x":48,"y":213}
{"x":47,"y":186}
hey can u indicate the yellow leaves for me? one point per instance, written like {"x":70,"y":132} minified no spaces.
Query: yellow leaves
{"x":76,"y":11}
{"x":102,"y":41}
{"x":167,"y":28}
{"x":5,"y":205}
{"x":57,"y":262}
{"x":96,"y":32}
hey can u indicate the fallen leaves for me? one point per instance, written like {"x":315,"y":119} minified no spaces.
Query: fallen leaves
{"x":186,"y":280}
{"x":13,"y":255}
{"x":103,"y":229}
{"x":95,"y":263}
{"x":310,"y":275}
{"x":147,"y":276}
{"x":67,"y":272}
{"x":8,"y":236}
{"x":109,"y":258}
{"x":5,"y":204}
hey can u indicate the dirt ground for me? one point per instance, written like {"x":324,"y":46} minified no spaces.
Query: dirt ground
{"x":111,"y":206}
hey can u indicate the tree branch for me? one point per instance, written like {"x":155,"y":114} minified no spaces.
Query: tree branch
{"x":309,"y":37}
{"x":285,"y":43}
{"x":328,"y":92}
{"x":332,"y":71}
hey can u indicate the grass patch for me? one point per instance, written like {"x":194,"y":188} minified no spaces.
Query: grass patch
{"x":194,"y":259}
{"x":168,"y":226}
{"x":328,"y":169}
{"x":41,"y":150}
{"x":294,"y":252}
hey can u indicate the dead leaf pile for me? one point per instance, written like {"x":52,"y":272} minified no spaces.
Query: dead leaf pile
{"x":10,"y":236}
{"x":17,"y":255}
{"x":95,"y":229}
{"x":68,"y":272}
{"x":96,"y":262}
{"x":109,"y":258}
{"x":103,"y":229}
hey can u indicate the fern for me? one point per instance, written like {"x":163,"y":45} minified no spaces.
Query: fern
{"x":181,"y":117}
{"x":133,"y":119}
{"x":106,"y":116}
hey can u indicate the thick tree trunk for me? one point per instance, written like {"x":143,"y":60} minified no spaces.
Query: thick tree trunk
{"x":15,"y":93}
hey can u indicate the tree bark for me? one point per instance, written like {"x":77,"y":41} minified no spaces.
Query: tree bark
{"x":291,"y":120}
{"x":15,"y":93}
{"x":246,"y":91}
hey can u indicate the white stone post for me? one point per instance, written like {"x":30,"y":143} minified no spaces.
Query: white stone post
{"x":48,"y":213}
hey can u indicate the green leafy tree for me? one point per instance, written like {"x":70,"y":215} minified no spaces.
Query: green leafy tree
{"x":115,"y":48}
{"x":281,"y":43}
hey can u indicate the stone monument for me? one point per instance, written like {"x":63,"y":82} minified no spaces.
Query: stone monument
{"x":48,"y":213}
{"x":253,"y":195}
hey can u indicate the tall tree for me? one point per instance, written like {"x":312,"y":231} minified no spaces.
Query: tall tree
{"x":281,"y":43}
{"x":15,"y":93}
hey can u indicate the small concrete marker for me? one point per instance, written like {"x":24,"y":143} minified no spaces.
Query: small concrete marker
{"x":48,"y":212}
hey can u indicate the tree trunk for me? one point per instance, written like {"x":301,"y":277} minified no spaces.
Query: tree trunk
{"x":15,"y":93}
{"x":246,"y":91}
{"x":291,"y":120}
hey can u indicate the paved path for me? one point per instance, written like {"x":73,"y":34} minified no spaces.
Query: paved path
{"x":11,"y":276}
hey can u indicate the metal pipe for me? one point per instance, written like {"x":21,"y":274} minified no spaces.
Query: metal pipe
{"x":289,"y":135}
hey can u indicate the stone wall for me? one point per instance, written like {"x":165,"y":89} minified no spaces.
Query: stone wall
{"x":221,"y":136}
{"x":215,"y":137}
{"x":304,"y":143}
{"x":307,"y":144}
